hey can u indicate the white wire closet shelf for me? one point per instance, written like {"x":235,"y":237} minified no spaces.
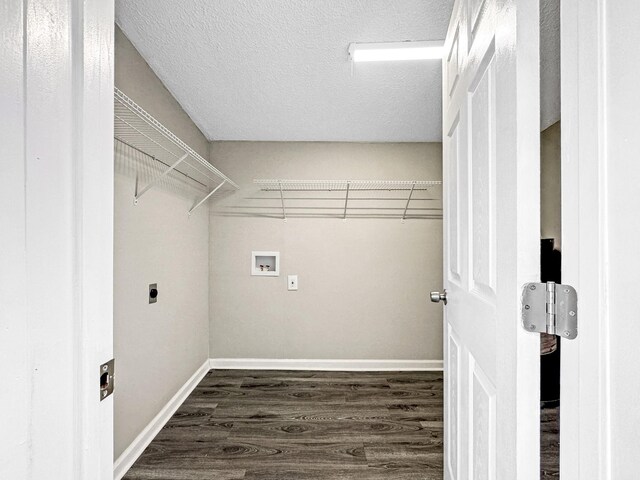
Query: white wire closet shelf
{"x":134,"y":127}
{"x":404,"y":199}
{"x":344,"y":185}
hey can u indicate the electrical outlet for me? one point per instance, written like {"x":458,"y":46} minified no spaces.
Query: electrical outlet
{"x":292,"y":282}
{"x":153,"y":293}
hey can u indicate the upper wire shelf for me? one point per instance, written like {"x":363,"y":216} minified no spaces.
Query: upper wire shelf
{"x":135,"y":127}
{"x":344,"y":185}
{"x":353,"y":195}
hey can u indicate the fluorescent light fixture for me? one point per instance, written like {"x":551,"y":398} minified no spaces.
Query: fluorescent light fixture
{"x":394,"y":51}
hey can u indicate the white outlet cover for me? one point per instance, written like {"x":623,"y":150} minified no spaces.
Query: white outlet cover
{"x":292,"y":282}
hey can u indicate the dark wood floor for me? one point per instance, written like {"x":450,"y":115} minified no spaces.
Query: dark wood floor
{"x":550,"y":444}
{"x":275,"y":425}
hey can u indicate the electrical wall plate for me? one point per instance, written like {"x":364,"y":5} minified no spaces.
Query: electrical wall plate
{"x":153,"y":293}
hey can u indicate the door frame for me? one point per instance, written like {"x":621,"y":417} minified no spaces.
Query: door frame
{"x":56,"y":260}
{"x":584,"y":363}
{"x":95,"y":227}
{"x":600,"y":147}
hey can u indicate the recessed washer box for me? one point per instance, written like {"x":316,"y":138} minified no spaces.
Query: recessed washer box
{"x":266,"y":264}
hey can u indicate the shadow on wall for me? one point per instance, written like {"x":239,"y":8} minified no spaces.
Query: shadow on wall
{"x":133,"y":163}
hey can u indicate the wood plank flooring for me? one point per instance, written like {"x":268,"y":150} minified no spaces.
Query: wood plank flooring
{"x":278,"y":425}
{"x":550,"y":444}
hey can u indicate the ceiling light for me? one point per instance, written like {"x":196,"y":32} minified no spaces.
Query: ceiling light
{"x":394,"y":51}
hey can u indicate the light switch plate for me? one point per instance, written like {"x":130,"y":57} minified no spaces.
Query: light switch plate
{"x":292,"y":282}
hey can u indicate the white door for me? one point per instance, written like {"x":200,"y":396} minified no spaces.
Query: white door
{"x":600,"y":383}
{"x":492,"y":239}
{"x":56,"y":230}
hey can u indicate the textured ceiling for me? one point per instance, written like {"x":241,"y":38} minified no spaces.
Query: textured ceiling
{"x":278,"y":69}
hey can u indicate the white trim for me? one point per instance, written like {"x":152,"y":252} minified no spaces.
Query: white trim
{"x":589,"y":209}
{"x":326,"y":365}
{"x":124,"y":462}
{"x":56,"y":185}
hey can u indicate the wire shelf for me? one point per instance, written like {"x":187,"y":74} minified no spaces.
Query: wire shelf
{"x":403,"y":199}
{"x":343,"y":185}
{"x":134,"y":127}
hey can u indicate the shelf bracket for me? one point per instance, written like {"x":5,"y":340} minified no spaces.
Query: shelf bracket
{"x":158,"y":178}
{"x":284,"y":213}
{"x":207,"y":197}
{"x":404,"y":214}
{"x":346,"y":201}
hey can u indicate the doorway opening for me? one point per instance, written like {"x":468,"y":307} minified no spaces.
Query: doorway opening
{"x":550,"y":230}
{"x":220,"y":357}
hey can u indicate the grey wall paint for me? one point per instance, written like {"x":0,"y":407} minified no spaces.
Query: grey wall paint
{"x":550,"y":185}
{"x":138,"y":81}
{"x":363,"y":284}
{"x":157,"y":347}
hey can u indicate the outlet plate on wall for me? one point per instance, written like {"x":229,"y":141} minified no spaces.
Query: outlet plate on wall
{"x":153,"y":292}
{"x":292,"y":282}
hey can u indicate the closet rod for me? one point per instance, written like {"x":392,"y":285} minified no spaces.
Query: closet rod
{"x":222,"y":213}
{"x":334,"y":208}
{"x":155,"y":159}
{"x":351,"y":198}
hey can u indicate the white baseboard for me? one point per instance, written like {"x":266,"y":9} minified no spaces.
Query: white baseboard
{"x":142,"y":441}
{"x":327,"y":365}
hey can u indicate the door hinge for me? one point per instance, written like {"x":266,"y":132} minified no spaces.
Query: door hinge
{"x":550,"y":308}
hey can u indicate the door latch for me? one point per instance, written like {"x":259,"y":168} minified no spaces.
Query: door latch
{"x":550,"y":308}
{"x":106,"y":378}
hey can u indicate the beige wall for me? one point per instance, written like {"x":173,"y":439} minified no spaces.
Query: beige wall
{"x":363,"y":284}
{"x":157,"y":347}
{"x":138,"y":81}
{"x":550,"y":212}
